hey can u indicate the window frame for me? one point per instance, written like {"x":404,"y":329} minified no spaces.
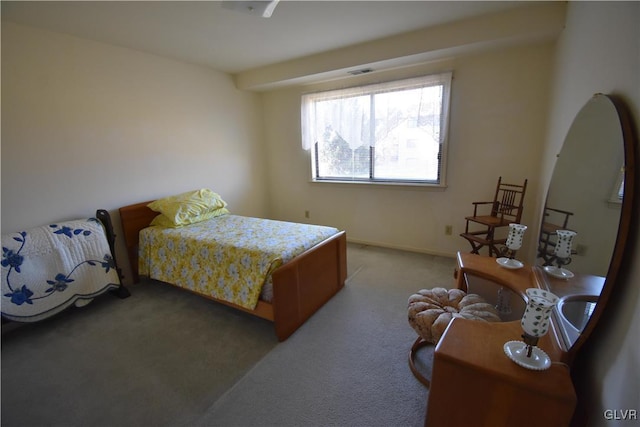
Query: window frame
{"x":440,"y":79}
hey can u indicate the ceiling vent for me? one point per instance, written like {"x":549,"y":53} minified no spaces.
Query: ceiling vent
{"x":257,"y":8}
{"x":361,"y":71}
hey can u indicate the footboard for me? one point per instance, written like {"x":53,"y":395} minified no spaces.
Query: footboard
{"x":306,"y":283}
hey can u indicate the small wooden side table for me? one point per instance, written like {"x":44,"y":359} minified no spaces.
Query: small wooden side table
{"x":475,"y":384}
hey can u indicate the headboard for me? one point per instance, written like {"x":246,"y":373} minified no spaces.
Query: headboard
{"x":134,"y":218}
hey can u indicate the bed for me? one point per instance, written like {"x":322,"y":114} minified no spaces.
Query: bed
{"x":300,"y":285}
{"x":49,"y":268}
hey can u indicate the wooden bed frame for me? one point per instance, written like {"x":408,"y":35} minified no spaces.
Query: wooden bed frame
{"x":300,"y":287}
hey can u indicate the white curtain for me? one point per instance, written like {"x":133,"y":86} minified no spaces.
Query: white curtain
{"x":346,"y":112}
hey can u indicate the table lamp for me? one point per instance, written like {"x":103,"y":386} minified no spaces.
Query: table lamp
{"x":562,"y":253}
{"x":513,"y":243}
{"x":535,"y":323}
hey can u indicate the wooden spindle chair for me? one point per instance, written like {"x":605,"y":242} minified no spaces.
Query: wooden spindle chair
{"x":506,"y":208}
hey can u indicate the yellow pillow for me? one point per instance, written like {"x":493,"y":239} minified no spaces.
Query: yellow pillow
{"x":163,"y":221}
{"x":183,"y":209}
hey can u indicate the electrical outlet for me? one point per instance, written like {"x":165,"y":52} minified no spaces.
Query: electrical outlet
{"x":448,"y":230}
{"x":306,"y":214}
{"x":581,"y":250}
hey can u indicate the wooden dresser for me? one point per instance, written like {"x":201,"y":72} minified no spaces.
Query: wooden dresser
{"x":475,"y":384}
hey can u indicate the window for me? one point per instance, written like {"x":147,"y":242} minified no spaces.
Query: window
{"x":392,"y":132}
{"x":618,"y":190}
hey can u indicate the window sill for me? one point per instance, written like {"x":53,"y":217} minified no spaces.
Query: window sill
{"x":383,"y":184}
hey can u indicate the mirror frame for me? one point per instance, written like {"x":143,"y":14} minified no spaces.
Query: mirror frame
{"x":620,"y":253}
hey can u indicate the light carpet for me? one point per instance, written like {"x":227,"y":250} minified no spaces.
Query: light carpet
{"x":347,"y":366}
{"x":157,"y":358}
{"x":164,"y":357}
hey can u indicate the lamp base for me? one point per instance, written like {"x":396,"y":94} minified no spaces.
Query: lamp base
{"x":517,"y":351}
{"x":559,"y":272}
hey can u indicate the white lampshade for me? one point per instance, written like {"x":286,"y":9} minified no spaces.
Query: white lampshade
{"x":564,"y":243}
{"x":516,"y":235}
{"x":535,"y":320}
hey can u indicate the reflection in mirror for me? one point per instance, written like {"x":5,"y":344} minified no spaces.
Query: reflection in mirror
{"x":618,"y":189}
{"x":586,"y":178}
{"x":577,"y":312}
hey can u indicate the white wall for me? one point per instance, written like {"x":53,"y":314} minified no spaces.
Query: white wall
{"x":87,"y":125}
{"x":498,"y":122}
{"x":599,"y":51}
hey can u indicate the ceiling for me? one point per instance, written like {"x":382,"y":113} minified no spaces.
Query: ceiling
{"x":205,"y":32}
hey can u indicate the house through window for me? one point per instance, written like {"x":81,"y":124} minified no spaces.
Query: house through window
{"x":392,"y":132}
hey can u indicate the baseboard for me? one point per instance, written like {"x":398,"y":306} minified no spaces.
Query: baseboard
{"x":401,"y":248}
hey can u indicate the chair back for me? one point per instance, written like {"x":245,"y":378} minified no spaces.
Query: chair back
{"x":508,"y":201}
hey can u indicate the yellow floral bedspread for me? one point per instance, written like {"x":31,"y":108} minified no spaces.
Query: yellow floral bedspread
{"x":228,"y":257}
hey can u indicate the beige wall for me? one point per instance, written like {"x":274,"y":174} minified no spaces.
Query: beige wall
{"x":88,"y":125}
{"x":599,"y":51}
{"x":498,"y":122}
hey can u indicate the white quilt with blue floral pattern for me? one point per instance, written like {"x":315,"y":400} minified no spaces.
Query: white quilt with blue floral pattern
{"x":46,"y":269}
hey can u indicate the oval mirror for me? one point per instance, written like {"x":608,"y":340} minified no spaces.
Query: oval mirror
{"x":590,"y":194}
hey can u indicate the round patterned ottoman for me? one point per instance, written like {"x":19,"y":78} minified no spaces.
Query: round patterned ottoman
{"x":431,"y":310}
